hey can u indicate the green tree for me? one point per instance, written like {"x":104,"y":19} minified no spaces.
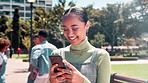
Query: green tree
{"x":139,"y":10}
{"x":16,"y":30}
{"x":50,"y":20}
{"x":111,"y":20}
{"x":3,"y":25}
{"x":24,"y":32}
{"x":94,"y":19}
{"x":99,"y":40}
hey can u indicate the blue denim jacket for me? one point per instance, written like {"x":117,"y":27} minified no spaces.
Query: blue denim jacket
{"x":40,"y":56}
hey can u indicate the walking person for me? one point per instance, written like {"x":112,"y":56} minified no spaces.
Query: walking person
{"x":32,"y":70}
{"x":40,"y":57}
{"x":86,"y":64}
{"x":4,"y":45}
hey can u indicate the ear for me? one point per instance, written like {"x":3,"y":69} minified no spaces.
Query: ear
{"x":87,"y":25}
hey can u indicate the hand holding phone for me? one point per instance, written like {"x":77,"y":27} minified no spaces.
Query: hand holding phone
{"x":57,"y":60}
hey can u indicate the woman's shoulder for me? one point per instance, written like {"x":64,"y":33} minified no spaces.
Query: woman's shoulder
{"x":58,"y":51}
{"x":102,"y":51}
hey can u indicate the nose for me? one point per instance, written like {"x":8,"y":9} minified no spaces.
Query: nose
{"x":70,"y":32}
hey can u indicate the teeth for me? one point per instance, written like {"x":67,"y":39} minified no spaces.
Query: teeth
{"x":72,"y":38}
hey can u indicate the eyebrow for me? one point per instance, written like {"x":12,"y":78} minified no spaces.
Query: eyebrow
{"x":74,"y":25}
{"x":71,"y":25}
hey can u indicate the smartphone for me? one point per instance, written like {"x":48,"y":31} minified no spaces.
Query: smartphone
{"x":57,"y":60}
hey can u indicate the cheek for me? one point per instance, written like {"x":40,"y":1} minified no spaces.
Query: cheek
{"x":65,"y":34}
{"x":82,"y":33}
{"x":38,"y":40}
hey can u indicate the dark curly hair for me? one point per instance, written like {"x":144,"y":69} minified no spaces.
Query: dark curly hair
{"x":4,"y":43}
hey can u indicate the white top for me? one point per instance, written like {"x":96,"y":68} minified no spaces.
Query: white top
{"x":1,"y":58}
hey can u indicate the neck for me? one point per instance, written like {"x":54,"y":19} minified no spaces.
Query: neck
{"x":81,"y":48}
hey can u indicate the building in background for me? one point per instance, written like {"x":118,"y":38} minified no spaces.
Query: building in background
{"x":7,"y":7}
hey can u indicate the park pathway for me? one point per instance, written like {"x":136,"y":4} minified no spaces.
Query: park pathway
{"x":16,"y":71}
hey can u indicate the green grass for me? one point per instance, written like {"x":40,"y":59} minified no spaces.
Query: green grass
{"x":21,"y":56}
{"x":132,"y":70}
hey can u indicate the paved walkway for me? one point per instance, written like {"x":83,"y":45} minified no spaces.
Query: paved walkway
{"x":17,"y":71}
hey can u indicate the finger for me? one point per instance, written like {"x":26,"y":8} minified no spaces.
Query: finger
{"x":52,"y":68}
{"x":69,"y":65}
{"x":69,"y":80}
{"x":61,"y":79}
{"x":69,"y":71}
{"x":69,"y":76}
{"x":55,"y":75}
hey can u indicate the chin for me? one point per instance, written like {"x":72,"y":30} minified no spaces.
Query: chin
{"x":73,"y":44}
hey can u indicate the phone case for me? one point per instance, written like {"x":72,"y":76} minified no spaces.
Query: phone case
{"x":57,"y":60}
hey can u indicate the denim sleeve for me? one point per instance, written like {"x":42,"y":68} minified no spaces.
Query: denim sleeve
{"x":36,"y":53}
{"x":44,"y":61}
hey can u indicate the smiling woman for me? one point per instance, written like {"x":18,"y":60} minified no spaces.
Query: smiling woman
{"x":86,"y":64}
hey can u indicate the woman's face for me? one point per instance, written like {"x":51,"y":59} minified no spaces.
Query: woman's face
{"x":74,"y":29}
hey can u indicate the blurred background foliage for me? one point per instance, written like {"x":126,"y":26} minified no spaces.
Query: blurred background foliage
{"x":114,"y":25}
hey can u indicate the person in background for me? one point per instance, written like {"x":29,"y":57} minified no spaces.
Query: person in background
{"x":4,"y":45}
{"x":86,"y":64}
{"x":32,"y":70}
{"x":11,"y":52}
{"x":7,"y":52}
{"x":19,"y":50}
{"x":40,"y":57}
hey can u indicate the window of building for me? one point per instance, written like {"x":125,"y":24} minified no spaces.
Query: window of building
{"x":1,"y":12}
{"x":28,"y":14}
{"x":18,"y":1}
{"x":6,"y":12}
{"x":48,"y":4}
{"x":21,"y":8}
{"x":1,"y":6}
{"x":21,"y":14}
{"x":15,"y":6}
{"x":5,"y":0}
{"x":28,"y":8}
{"x":41,"y":2}
{"x":6,"y":6}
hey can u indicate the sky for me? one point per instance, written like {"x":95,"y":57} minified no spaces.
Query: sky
{"x":96,"y":3}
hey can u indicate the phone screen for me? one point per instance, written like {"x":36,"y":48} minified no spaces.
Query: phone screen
{"x":57,"y":60}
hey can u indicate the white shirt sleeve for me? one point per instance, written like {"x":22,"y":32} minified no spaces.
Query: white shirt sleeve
{"x":1,"y":60}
